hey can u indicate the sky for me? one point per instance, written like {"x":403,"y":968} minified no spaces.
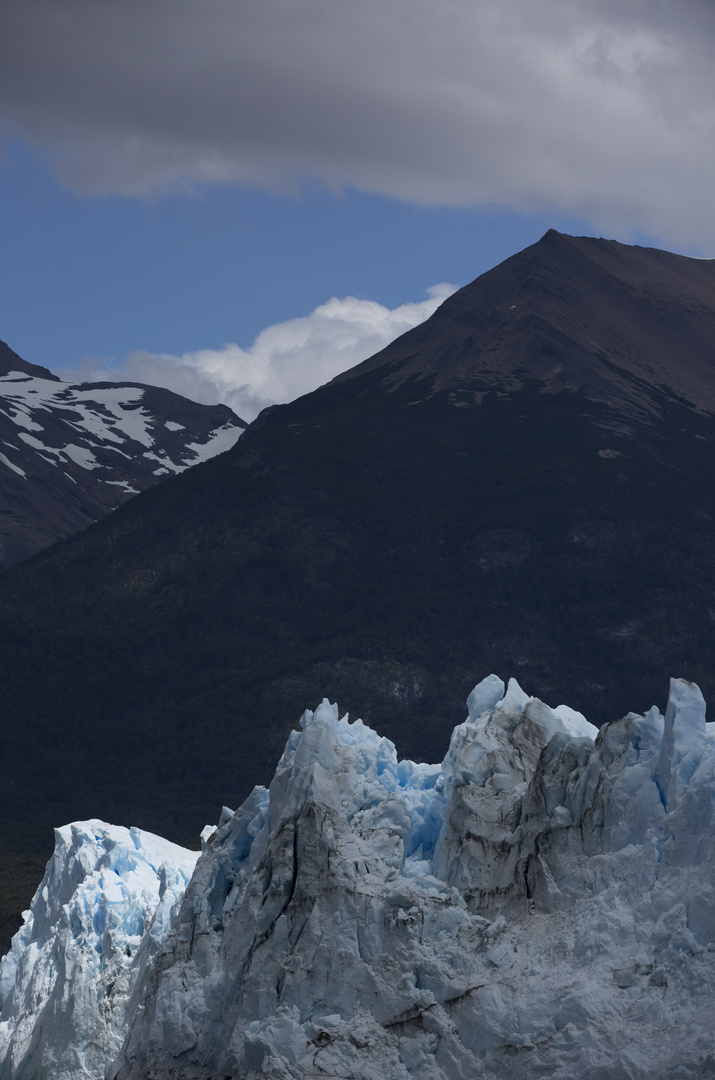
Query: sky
{"x":240,"y":198}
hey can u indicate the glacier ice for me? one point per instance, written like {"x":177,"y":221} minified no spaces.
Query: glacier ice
{"x":540,"y":904}
{"x":68,"y":986}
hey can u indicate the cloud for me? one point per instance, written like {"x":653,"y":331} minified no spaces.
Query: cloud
{"x":286,"y":360}
{"x":604,"y":109}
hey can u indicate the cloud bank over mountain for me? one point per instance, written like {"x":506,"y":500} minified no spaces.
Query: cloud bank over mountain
{"x":601,"y":110}
{"x":286,"y":360}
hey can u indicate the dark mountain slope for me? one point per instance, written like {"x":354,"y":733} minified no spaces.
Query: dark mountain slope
{"x":70,"y":454}
{"x":576,"y":313}
{"x":385,"y":541}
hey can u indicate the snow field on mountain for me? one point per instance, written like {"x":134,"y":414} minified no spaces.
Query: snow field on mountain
{"x":103,"y":416}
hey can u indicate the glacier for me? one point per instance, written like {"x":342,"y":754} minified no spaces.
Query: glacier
{"x":542,"y":903}
{"x":68,"y":985}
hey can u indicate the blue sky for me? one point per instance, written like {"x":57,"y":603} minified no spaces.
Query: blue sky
{"x":102,"y":275}
{"x":178,"y":176}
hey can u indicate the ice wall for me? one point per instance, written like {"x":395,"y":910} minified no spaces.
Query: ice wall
{"x":69,"y":985}
{"x":536,"y":905}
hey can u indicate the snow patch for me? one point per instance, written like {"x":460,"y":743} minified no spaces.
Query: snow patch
{"x":15,"y":468}
{"x":81,"y":456}
{"x":219,"y":440}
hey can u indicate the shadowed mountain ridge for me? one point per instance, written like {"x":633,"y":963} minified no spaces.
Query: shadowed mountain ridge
{"x":576,"y":313}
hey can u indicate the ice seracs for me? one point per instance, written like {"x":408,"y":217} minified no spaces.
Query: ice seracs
{"x":68,"y":986}
{"x":532,"y":907}
{"x":540,"y":904}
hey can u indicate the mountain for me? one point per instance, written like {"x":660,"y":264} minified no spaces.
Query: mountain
{"x":73,"y":453}
{"x":629,"y":327}
{"x":525,"y":482}
{"x":536,"y":905}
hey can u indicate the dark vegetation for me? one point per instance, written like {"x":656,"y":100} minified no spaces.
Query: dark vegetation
{"x":384,"y":548}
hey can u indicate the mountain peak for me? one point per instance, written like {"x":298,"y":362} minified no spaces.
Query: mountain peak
{"x":10,"y":361}
{"x":72,"y":453}
{"x":571,"y":313}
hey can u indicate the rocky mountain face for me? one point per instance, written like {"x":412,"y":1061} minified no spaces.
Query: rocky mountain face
{"x":620,"y":324}
{"x":524,"y":482}
{"x":69,"y":455}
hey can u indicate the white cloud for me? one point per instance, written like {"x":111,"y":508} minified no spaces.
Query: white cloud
{"x":604,"y":109}
{"x":286,"y":360}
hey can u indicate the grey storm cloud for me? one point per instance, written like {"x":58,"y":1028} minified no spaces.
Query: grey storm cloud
{"x":599,"y":109}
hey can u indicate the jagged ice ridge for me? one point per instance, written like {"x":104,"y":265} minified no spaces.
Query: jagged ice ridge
{"x":538,"y":905}
{"x":68,"y":985}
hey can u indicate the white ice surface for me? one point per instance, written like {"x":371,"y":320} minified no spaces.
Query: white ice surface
{"x":575,"y":722}
{"x":68,"y":985}
{"x":536,"y":906}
